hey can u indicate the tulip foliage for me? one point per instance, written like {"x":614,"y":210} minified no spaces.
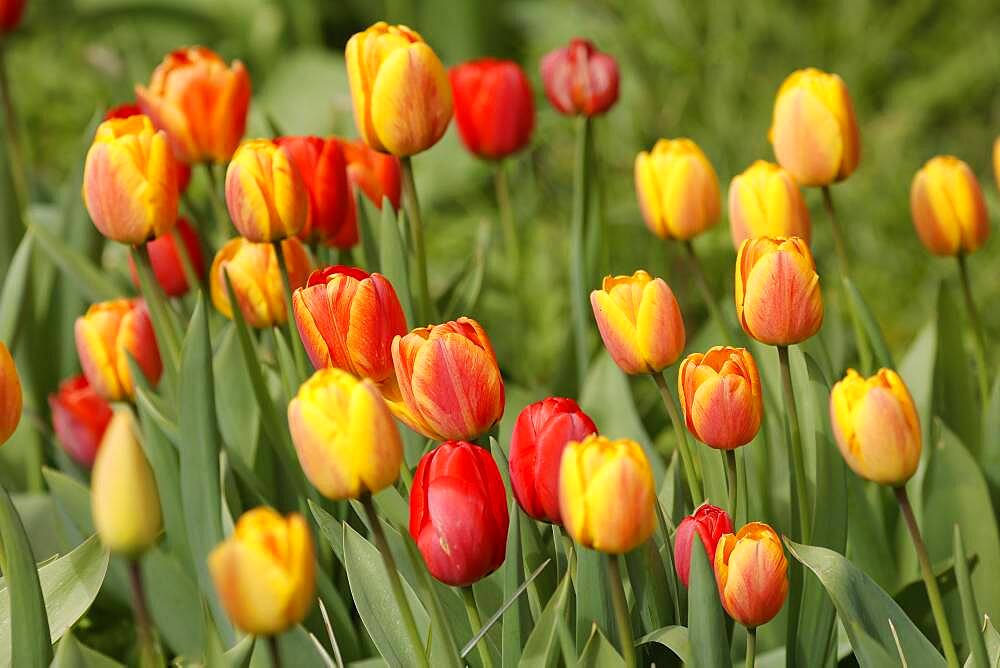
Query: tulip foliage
{"x":252,"y":418}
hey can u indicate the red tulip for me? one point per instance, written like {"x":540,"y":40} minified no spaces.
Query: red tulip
{"x":541,"y":433}
{"x":132,"y":109}
{"x":79,"y":418}
{"x":494,"y":107}
{"x":167,"y":264}
{"x":579,"y":79}
{"x":377,"y":174}
{"x":321,"y":164}
{"x":10,"y":14}
{"x":711,"y":522}
{"x":458,"y":513}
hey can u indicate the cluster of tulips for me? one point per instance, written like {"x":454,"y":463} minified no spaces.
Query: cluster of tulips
{"x":296,"y":201}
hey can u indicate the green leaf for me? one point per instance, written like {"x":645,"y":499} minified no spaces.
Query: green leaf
{"x":593,"y":601}
{"x":674,"y":638}
{"x":599,"y":652}
{"x":542,"y":648}
{"x":236,"y":407}
{"x":515,"y":597}
{"x":369,"y":242}
{"x":517,"y":618}
{"x":706,"y":618}
{"x":970,"y":611}
{"x":71,"y":654}
{"x":992,"y":640}
{"x":873,"y":332}
{"x":15,"y":290}
{"x":238,"y":656}
{"x":954,"y":380}
{"x":392,"y":258}
{"x":90,"y":281}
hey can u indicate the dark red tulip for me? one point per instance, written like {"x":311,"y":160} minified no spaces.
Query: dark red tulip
{"x":10,"y":14}
{"x":494,"y":107}
{"x":540,"y":434}
{"x":79,"y":418}
{"x":132,"y":109}
{"x":458,"y":513}
{"x":579,"y":79}
{"x":167,"y":264}
{"x":710,"y":522}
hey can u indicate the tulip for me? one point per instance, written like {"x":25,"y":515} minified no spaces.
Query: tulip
{"x":721,"y":396}
{"x":606,"y":494}
{"x":540,"y":435}
{"x":10,"y":14}
{"x":378,"y":175}
{"x":106,"y":336}
{"x":79,"y":418}
{"x":876,"y":426}
{"x":128,"y":110}
{"x":331,"y":217}
{"x":996,"y":161}
{"x":402,"y":100}
{"x":458,"y":513}
{"x":449,"y":382}
{"x":710,"y":522}
{"x":130,"y":181}
{"x":10,"y":395}
{"x":200,"y":103}
{"x":752,"y":574}
{"x":814,"y":132}
{"x":640,"y":322}
{"x":265,"y":572}
{"x":347,"y":319}
{"x":778,"y":300}
{"x":124,"y":500}
{"x":265,"y":194}
{"x":256,"y":279}
{"x":494,"y":107}
{"x":765,"y":201}
{"x":677,"y":188}
{"x":948,"y":208}
{"x":168,"y":268}
{"x":579,"y":79}
{"x":346,"y":439}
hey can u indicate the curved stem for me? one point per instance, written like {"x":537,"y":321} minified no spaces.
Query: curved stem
{"x":797,"y":464}
{"x":577,"y":283}
{"x":148,"y":655}
{"x":15,"y":156}
{"x":933,"y":593}
{"x":706,"y":294}
{"x":732,"y":479}
{"x":412,"y":205}
{"x":978,"y":336}
{"x":476,"y":623}
{"x":751,"y":647}
{"x":293,"y":338}
{"x":622,"y":619}
{"x":506,"y":211}
{"x":272,"y":644}
{"x":694,"y":485}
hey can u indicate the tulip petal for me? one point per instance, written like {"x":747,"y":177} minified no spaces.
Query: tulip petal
{"x":807,"y":137}
{"x":782,"y":303}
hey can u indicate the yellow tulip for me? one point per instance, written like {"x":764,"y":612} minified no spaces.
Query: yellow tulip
{"x":765,"y":201}
{"x":677,"y":188}
{"x":265,"y":194}
{"x":949,"y":212}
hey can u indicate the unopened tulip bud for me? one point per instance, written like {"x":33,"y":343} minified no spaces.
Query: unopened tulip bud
{"x":331,"y":218}
{"x":948,"y":208}
{"x":678,"y":189}
{"x":494,"y":107}
{"x":168,"y":266}
{"x":378,"y":175}
{"x":710,"y":523}
{"x":106,"y":336}
{"x":79,"y":418}
{"x":265,"y":194}
{"x":579,"y":79}
{"x":10,"y":395}
{"x":765,"y":201}
{"x":752,"y":574}
{"x":721,"y":396}
{"x":129,"y":109}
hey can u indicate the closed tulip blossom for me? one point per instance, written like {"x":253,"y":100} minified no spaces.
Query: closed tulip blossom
{"x":347,"y":319}
{"x":79,"y":418}
{"x":106,"y":336}
{"x":640,"y":322}
{"x":579,"y":79}
{"x":265,"y":193}
{"x":752,"y":574}
{"x":331,"y":218}
{"x":10,"y":395}
{"x":710,"y":523}
{"x":606,"y":494}
{"x":256,"y":279}
{"x":494,"y":107}
{"x":344,"y":434}
{"x":876,"y":426}
{"x":540,"y":435}
{"x":130,"y":181}
{"x":129,"y":109}
{"x":813,"y":130}
{"x":721,"y":395}
{"x":200,"y":102}
{"x":678,"y":189}
{"x":265,"y":572}
{"x":949,"y":212}
{"x":377,"y":175}
{"x":10,"y":14}
{"x":449,"y":382}
{"x":402,"y":100}
{"x":458,"y":513}
{"x":778,"y":299}
{"x":168,"y":267}
{"x":765,"y":201}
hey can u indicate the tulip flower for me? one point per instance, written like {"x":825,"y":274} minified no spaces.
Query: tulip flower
{"x":948,"y":208}
{"x":124,"y":500}
{"x":265,"y":572}
{"x":449,"y":382}
{"x":402,"y":100}
{"x":494,"y":107}
{"x":128,"y":110}
{"x":458,"y":513}
{"x":579,"y":79}
{"x":677,"y":188}
{"x":10,"y":14}
{"x":347,"y":319}
{"x":710,"y":522}
{"x":996,"y":161}
{"x":346,"y":439}
{"x":79,"y":418}
{"x":106,"y":336}
{"x":606,"y":494}
{"x":752,"y":574}
{"x":876,"y":426}
{"x":168,"y":267}
{"x":778,"y":300}
{"x":721,"y":395}
{"x":640,"y":322}
{"x":765,"y":201}
{"x":378,"y":175}
{"x":130,"y":181}
{"x":266,"y":196}
{"x":331,"y":219}
{"x":200,"y":103}
{"x":256,"y":278}
{"x":813,"y":131}
{"x":10,"y":395}
{"x":540,"y":435}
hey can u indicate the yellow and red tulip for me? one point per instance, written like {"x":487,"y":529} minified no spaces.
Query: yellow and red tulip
{"x":949,"y":212}
{"x":10,"y":395}
{"x":678,"y":189}
{"x":721,"y":395}
{"x":265,"y":194}
{"x":320,"y":162}
{"x":765,"y":201}
{"x":752,"y":574}
{"x":106,"y":336}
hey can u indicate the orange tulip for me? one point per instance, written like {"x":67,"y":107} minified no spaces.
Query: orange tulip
{"x":106,"y":336}
{"x":948,"y":208}
{"x":378,"y":175}
{"x":752,"y":574}
{"x":10,"y":395}
{"x":765,"y":201}
{"x":721,"y":395}
{"x":265,"y":194}
{"x":677,"y":188}
{"x":777,"y":290}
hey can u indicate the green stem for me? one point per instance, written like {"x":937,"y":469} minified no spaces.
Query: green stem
{"x":694,"y":485}
{"x":293,"y":336}
{"x":218,"y":202}
{"x":732,"y":478}
{"x":15,"y":156}
{"x":622,"y":619}
{"x":148,"y":654}
{"x":978,"y":337}
{"x":409,"y":624}
{"x":933,"y":593}
{"x":412,"y":206}
{"x":578,"y":287}
{"x":797,"y":464}
{"x":272,"y":644}
{"x":751,"y":647}
{"x":476,"y":623}
{"x":706,"y":294}
{"x":506,"y":211}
